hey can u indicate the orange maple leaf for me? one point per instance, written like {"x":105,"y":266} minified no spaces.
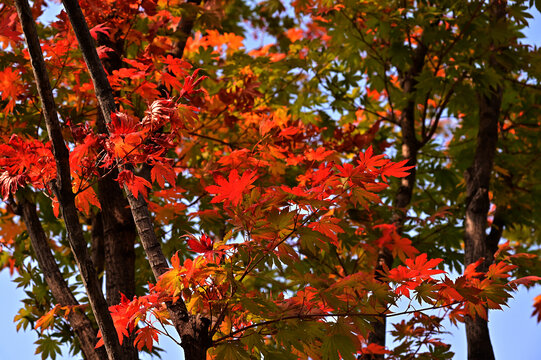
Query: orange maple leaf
{"x":231,"y":190}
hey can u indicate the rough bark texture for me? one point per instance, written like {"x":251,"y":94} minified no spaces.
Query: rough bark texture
{"x":119,"y":235}
{"x":97,"y":245}
{"x":477,"y":205}
{"x":119,"y":240}
{"x":193,"y":330}
{"x":476,"y":242}
{"x":63,"y":189}
{"x":79,"y":322}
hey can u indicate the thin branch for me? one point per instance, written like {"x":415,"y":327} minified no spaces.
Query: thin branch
{"x":342,"y":314}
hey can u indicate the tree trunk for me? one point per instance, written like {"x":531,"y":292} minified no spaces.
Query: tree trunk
{"x":118,"y":227}
{"x":184,"y":30}
{"x":193,"y":330}
{"x":476,"y":242}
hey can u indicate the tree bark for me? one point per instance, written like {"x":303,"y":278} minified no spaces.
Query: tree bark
{"x":63,"y":187}
{"x":476,"y":242}
{"x":193,"y":330}
{"x":118,"y":227}
{"x":97,"y":245}
{"x":78,"y":321}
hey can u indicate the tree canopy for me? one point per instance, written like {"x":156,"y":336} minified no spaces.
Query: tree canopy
{"x":268,"y":179}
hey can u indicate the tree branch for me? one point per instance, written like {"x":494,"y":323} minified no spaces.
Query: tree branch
{"x":319,"y":316}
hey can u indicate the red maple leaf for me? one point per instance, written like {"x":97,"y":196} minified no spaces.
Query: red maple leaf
{"x":100,"y":28}
{"x":135,"y":184}
{"x":190,"y":83}
{"x":162,"y":172}
{"x":395,"y":169}
{"x":146,"y":337}
{"x":205,"y":245}
{"x":201,"y":245}
{"x":231,"y":190}
{"x":371,"y":162}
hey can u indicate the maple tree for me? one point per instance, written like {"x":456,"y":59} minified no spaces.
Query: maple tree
{"x":246,"y":196}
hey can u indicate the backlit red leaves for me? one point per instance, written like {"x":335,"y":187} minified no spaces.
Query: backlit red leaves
{"x":205,"y":245}
{"x":230,"y":191}
{"x":135,"y":184}
{"x":100,"y":28}
{"x":161,"y":112}
{"x":382,"y":166}
{"x":146,"y":337}
{"x":129,"y":313}
{"x":471,"y":270}
{"x":500,"y":270}
{"x":10,"y":183}
{"x":25,"y":162}
{"x":126,"y":135}
{"x":202,"y":245}
{"x":329,"y":227}
{"x":395,"y":169}
{"x":162,"y":172}
{"x":10,"y":87}
{"x":189,"y":89}
{"x":413,"y":273}
{"x":392,"y":240}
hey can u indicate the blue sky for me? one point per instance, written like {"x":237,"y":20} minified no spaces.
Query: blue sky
{"x":514,"y":333}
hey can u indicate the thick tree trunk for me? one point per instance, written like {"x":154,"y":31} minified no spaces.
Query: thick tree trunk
{"x":63,"y":187}
{"x":119,"y":240}
{"x":79,"y":322}
{"x":118,"y":226}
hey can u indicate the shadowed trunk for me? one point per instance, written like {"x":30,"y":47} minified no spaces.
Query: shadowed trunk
{"x":184,"y":29}
{"x":118,"y":227}
{"x":476,"y":242}
{"x":477,"y":206}
{"x":97,"y":246}
{"x":193,"y":329}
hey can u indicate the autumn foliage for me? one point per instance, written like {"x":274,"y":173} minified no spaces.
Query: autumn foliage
{"x":274,"y":213}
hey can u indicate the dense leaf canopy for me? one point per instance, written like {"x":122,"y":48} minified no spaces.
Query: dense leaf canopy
{"x":303,"y":167}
